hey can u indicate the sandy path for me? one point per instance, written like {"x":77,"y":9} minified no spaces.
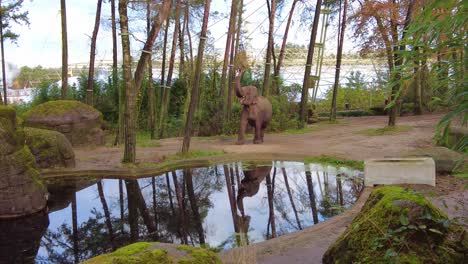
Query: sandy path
{"x":340,"y":140}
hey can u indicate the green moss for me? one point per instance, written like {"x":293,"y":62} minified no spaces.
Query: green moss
{"x":198,"y":256}
{"x":7,"y":112}
{"x":57,"y":108}
{"x":336,"y":162}
{"x":140,"y":253}
{"x":399,"y":226}
{"x":385,"y":131}
{"x":136,"y":253}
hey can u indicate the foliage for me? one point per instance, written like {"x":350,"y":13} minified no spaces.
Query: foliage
{"x":388,"y":130}
{"x":336,"y":162}
{"x":32,"y":77}
{"x":10,"y":13}
{"x":358,"y":93}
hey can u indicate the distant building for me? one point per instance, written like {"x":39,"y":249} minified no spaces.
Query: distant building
{"x":19,"y":96}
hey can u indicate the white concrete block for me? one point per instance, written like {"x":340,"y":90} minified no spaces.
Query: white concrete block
{"x":399,"y":171}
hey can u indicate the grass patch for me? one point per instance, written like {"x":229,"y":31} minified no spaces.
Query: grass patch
{"x":336,"y":162}
{"x":461,"y":175}
{"x":192,"y":154}
{"x":385,"y":130}
{"x":144,"y":140}
{"x":311,"y":128}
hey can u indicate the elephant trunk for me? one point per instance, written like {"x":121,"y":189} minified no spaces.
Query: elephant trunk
{"x":237,"y":85}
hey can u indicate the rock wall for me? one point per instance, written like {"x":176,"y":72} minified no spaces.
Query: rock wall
{"x":21,"y":191}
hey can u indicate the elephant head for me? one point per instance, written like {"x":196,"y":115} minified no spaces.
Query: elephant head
{"x":250,"y":184}
{"x":248,"y":95}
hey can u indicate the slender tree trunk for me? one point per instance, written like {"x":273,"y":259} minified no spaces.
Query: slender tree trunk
{"x":151,"y":95}
{"x":155,"y":206}
{"x":167,"y":91}
{"x":122,"y":210}
{"x":169,"y":194}
{"x":63,"y":12}
{"x":189,"y":35}
{"x":313,"y":204}
{"x":398,"y":61}
{"x":232,"y":201}
{"x":308,"y":68}
{"x":144,"y":210}
{"x":180,"y":202}
{"x":119,"y":135}
{"x":417,"y":84}
{"x":271,"y":216}
{"x":92,"y":56}
{"x":231,"y":69}
{"x":105,"y":208}
{"x":75,"y":229}
{"x":163,"y":92}
{"x":291,"y":198}
{"x":234,"y":53}
{"x":5,"y":101}
{"x":339,"y":189}
{"x":132,"y":210}
{"x":132,"y":85}
{"x":182,"y":49}
{"x":270,"y":47}
{"x":230,"y":33}
{"x":196,"y":83}
{"x":283,"y":47}
{"x":194,"y":206}
{"x":339,"y":53}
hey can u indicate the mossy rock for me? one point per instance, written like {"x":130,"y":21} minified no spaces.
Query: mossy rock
{"x":157,"y":253}
{"x":79,"y":122}
{"x":446,"y":160}
{"x":397,"y":225}
{"x":50,"y":148}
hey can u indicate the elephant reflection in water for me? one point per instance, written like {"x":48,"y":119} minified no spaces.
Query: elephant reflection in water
{"x":249,"y":186}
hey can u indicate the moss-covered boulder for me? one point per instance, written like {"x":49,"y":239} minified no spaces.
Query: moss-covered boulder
{"x":157,"y":253}
{"x":21,"y":191}
{"x":399,"y":226}
{"x":50,"y":148}
{"x":79,"y":122}
{"x":446,"y":160}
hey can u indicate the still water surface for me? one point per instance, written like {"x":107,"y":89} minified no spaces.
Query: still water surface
{"x":194,"y":206}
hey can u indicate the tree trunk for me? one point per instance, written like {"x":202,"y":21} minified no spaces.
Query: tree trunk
{"x":291,"y":198}
{"x":169,"y":194}
{"x":308,"y":68}
{"x":92,"y":56}
{"x":417,"y":84}
{"x":182,"y":49}
{"x":75,"y":229}
{"x":313,"y":205}
{"x":232,"y":201}
{"x":5,"y":101}
{"x":339,"y":190}
{"x":283,"y":47}
{"x":163,"y":92}
{"x":194,"y":206}
{"x":270,"y":47}
{"x":189,"y":36}
{"x":180,"y":202}
{"x":119,"y":135}
{"x":63,"y":12}
{"x":231,"y":69}
{"x":227,"y":50}
{"x":397,"y":76}
{"x":339,"y":53}
{"x":271,"y":217}
{"x":196,"y":83}
{"x":122,"y":210}
{"x":132,"y":210}
{"x":133,"y":85}
{"x":105,"y":208}
{"x":144,"y":211}
{"x":167,"y":91}
{"x":151,"y":95}
{"x":155,"y":205}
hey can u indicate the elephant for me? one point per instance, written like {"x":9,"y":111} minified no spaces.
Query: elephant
{"x":250,"y":184}
{"x":257,"y":110}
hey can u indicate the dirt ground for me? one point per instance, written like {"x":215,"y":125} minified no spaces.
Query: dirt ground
{"x":341,"y":140}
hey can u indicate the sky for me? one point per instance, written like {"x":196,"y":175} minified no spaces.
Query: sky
{"x":40,"y":43}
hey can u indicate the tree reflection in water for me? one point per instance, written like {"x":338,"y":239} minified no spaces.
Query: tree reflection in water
{"x":192,"y":206}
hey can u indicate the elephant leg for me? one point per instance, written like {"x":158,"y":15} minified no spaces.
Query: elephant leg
{"x":242,"y":128}
{"x":258,"y":132}
{"x":262,"y":133}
